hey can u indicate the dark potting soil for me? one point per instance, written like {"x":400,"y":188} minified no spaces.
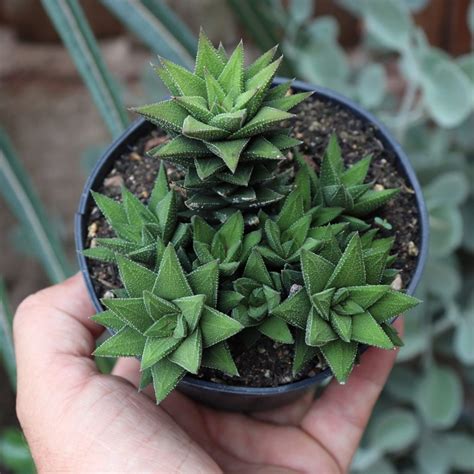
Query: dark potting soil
{"x":268,"y":363}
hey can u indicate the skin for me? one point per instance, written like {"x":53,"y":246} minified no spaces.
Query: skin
{"x":78,"y":420}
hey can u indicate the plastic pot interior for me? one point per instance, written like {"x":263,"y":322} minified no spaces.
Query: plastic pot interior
{"x":228,"y":397}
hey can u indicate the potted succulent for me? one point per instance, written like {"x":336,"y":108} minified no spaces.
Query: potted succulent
{"x":243,"y":252}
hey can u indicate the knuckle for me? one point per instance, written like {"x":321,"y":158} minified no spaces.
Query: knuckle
{"x":26,"y":308}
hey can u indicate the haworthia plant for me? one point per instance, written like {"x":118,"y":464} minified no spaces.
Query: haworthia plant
{"x":225,"y":120}
{"x":346,"y":188}
{"x":142,"y":231}
{"x":261,"y":245}
{"x":169,"y":320}
{"x":343,"y":304}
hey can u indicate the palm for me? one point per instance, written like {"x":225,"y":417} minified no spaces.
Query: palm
{"x":78,"y":420}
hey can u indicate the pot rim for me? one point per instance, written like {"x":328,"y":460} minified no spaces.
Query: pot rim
{"x":385,"y":136}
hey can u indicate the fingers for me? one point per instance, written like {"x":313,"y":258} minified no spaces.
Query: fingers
{"x":290,"y":414}
{"x":338,"y":419}
{"x":54,"y":338}
{"x":128,"y":368}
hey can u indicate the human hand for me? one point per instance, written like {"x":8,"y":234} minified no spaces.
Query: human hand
{"x":78,"y":420}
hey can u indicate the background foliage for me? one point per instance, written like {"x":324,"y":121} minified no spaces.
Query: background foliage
{"x":424,"y":421}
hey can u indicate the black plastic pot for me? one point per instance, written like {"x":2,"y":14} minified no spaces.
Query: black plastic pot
{"x":235,"y":398}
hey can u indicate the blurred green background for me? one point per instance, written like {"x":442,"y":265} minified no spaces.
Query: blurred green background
{"x":67,"y":72}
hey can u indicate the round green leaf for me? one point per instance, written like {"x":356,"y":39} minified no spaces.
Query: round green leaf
{"x":401,"y":384}
{"x":382,"y":466}
{"x":464,"y":338}
{"x":394,"y":430}
{"x":370,"y":86}
{"x":431,"y":456}
{"x":323,"y":28}
{"x":447,"y":93}
{"x":450,"y":188}
{"x":460,"y":448}
{"x":439,"y":397}
{"x":446,"y":230}
{"x":389,"y":21}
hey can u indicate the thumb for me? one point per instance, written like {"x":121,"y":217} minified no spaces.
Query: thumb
{"x":52,"y":331}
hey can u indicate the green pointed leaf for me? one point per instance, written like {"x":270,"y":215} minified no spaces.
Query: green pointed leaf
{"x":366,"y":330}
{"x":157,"y":348}
{"x":230,"y":121}
{"x":250,"y":241}
{"x":113,"y":211}
{"x":366,"y":296}
{"x":318,"y":331}
{"x":228,"y":300}
{"x":196,"y":106}
{"x":375,"y":263}
{"x":332,"y":165}
{"x":217,"y":327}
{"x":186,"y":81}
{"x":171,"y":282}
{"x":193,"y":128}
{"x":392,"y":333}
{"x":255,"y":269}
{"x":232,"y":76}
{"x":167,"y":114}
{"x":288,"y":102}
{"x":180,"y":146}
{"x":241,"y":176}
{"x":279,"y":91}
{"x":276,"y":329}
{"x":392,"y":303}
{"x":261,"y":80}
{"x":232,"y":231}
{"x":265,"y":119}
{"x":206,"y":167}
{"x":207,"y":58}
{"x":295,"y":309}
{"x":166,"y":375}
{"x":167,"y":80}
{"x":303,"y":352}
{"x":229,"y":151}
{"x":160,"y":188}
{"x":108,"y":319}
{"x":157,"y":307}
{"x":131,"y":311}
{"x":164,"y":327}
{"x":204,"y":280}
{"x":215,"y":92}
{"x":222,"y":53}
{"x":125,"y":343}
{"x":292,"y":210}
{"x":181,"y":329}
{"x":340,"y":357}
{"x":260,"y":63}
{"x":342,"y":325}
{"x":357,"y":173}
{"x":202,"y":231}
{"x":261,"y":148}
{"x":350,"y":270}
{"x":372,"y":200}
{"x":219,"y":357}
{"x":322,"y":302}
{"x":137,"y":213}
{"x":135,"y":278}
{"x":244,"y":99}
{"x":100,"y":253}
{"x":316,"y":271}
{"x":189,"y":353}
{"x":191,"y":308}
{"x":282,"y":141}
